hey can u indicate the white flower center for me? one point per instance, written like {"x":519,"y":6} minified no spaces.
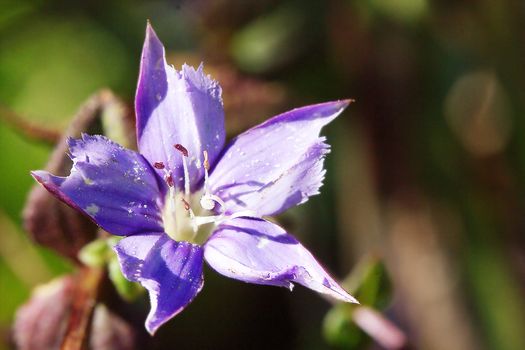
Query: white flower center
{"x":191,"y":217}
{"x":185,"y":219}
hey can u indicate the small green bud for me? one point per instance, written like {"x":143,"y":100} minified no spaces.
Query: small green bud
{"x":95,"y":253}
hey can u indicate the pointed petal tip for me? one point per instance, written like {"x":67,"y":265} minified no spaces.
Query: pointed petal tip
{"x":152,"y":329}
{"x":345,"y":103}
{"x":335,"y":291}
{"x":38,"y":175}
{"x":41,"y":176}
{"x":341,"y":294}
{"x":350,"y":299}
{"x":150,"y":32}
{"x":152,"y":324}
{"x":339,"y":106}
{"x":152,"y":41}
{"x":342,"y":103}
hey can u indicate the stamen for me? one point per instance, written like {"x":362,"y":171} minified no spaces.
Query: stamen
{"x":218,"y":219}
{"x":186,"y":204}
{"x":208,"y":200}
{"x":169,"y":180}
{"x":213,"y":208}
{"x":186,"y":177}
{"x":184,"y":153}
{"x":203,"y":220}
{"x":194,"y":224}
{"x":206,"y":162}
{"x":206,"y":168}
{"x":181,"y":149}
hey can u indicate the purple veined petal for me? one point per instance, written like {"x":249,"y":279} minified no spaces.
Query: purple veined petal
{"x":258,"y":251}
{"x":177,"y":107}
{"x":133,"y":250}
{"x":301,"y":181}
{"x":114,"y":186}
{"x":266,"y":169}
{"x":171,"y":272}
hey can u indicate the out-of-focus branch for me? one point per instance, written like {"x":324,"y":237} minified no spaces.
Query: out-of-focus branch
{"x":28,"y":129}
{"x":425,"y":281}
{"x":85,"y":294}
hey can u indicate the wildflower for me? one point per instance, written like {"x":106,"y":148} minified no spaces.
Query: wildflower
{"x":186,"y":198}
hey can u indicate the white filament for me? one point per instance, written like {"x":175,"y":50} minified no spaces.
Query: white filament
{"x":184,"y":229}
{"x":186,"y":177}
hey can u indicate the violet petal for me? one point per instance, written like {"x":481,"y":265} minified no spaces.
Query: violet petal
{"x":171,"y":272}
{"x":258,"y":251}
{"x":112,"y":185}
{"x":177,"y":107}
{"x":277,"y":164}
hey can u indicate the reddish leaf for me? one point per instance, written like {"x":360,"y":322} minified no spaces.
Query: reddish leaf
{"x":41,"y":322}
{"x":64,"y":314}
{"x":110,"y":332}
{"x":28,"y":129}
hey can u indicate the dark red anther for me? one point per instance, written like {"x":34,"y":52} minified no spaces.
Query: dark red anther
{"x":159,"y":165}
{"x":186,"y":204}
{"x":181,"y":149}
{"x":169,"y":180}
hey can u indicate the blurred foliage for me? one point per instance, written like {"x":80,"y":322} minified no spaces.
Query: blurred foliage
{"x":427,"y":169}
{"x":99,"y":253}
{"x":370,"y":284}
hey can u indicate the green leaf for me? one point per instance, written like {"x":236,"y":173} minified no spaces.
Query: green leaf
{"x":96,"y":253}
{"x":340,"y":330}
{"x":270,"y":40}
{"x":369,"y":283}
{"x":129,"y":291}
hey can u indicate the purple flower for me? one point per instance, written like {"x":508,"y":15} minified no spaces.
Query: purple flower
{"x":186,"y":197}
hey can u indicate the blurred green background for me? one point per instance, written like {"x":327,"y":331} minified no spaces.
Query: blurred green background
{"x":426,"y":174}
